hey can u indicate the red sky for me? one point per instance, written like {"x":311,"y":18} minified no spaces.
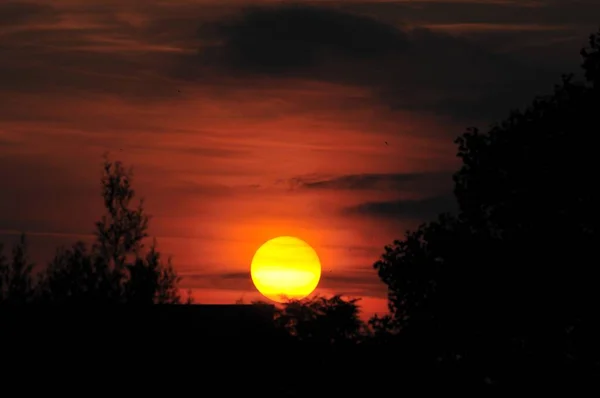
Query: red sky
{"x":236,"y":137}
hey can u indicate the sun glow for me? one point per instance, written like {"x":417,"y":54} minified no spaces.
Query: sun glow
{"x":285,"y":268}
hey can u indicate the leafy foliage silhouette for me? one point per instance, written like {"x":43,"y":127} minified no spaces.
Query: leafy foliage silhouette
{"x":16,"y":282}
{"x":322,"y":320}
{"x":115,"y":268}
{"x":591,"y":60}
{"x":488,"y":287}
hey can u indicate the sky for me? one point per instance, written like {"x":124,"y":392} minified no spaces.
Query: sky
{"x":337,"y":129}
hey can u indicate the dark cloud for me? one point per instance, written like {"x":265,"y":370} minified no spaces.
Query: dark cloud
{"x":225,"y":280}
{"x":386,"y":182}
{"x":372,"y":45}
{"x":418,"y":209}
{"x":279,"y":39}
{"x":552,"y":12}
{"x":435,"y":189}
{"x":541,"y":32}
{"x":353,"y":281}
{"x":407,"y":68}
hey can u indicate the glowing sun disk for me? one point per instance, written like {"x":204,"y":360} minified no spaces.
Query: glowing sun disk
{"x":285,"y":267}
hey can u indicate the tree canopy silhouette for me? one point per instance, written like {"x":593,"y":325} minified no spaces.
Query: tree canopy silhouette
{"x":322,"y":320}
{"x":16,"y":282}
{"x":115,"y":269}
{"x":511,"y":279}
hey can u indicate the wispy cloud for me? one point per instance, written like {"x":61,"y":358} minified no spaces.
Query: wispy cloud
{"x":381,"y":182}
{"x":496,"y":27}
{"x":419,"y":209}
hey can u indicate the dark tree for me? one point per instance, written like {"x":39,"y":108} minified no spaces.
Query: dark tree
{"x":383,"y":329}
{"x":529,"y":184}
{"x":322,"y":320}
{"x":114,"y":269}
{"x":505,"y":284}
{"x":122,"y":229}
{"x":152,"y":281}
{"x":591,"y":60}
{"x":16,"y":282}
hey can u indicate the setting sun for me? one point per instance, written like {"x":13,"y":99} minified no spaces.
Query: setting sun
{"x":285,"y":268}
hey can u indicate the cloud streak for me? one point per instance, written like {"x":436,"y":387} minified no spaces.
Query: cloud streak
{"x":419,"y":209}
{"x":379,"y":182}
{"x":353,"y":282}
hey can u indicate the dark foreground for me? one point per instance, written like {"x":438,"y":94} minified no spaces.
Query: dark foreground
{"x":235,"y":350}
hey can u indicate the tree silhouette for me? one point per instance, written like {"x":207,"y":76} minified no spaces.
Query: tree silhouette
{"x":121,"y":230}
{"x":591,"y":60}
{"x":16,"y":282}
{"x":383,"y":329}
{"x":503,"y":284}
{"x":113,"y":270}
{"x":528,"y":183}
{"x":151,"y":281}
{"x":321,"y":320}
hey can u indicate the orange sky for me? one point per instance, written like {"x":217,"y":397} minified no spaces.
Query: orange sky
{"x":233,"y":144}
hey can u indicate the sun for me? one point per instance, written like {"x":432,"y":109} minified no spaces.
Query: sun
{"x":285,"y":268}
